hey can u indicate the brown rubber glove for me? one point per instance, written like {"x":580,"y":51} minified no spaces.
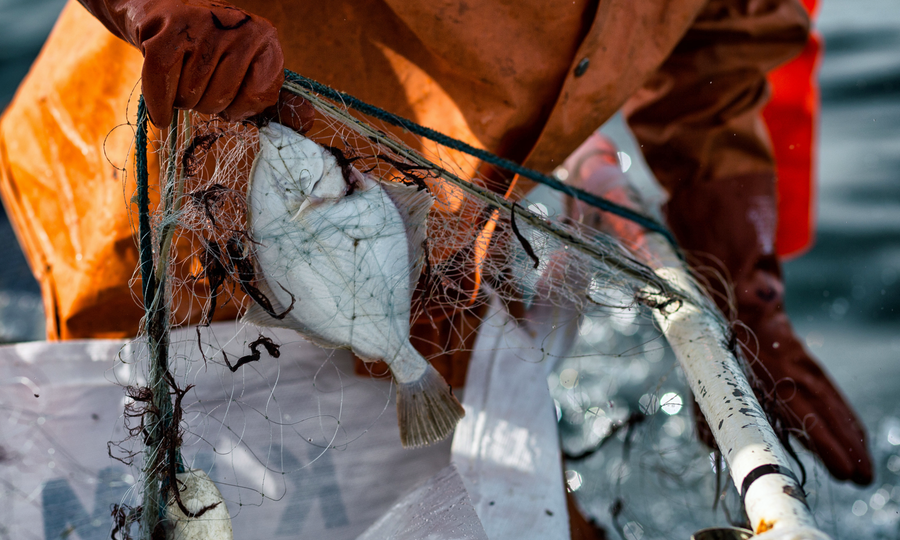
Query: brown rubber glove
{"x":728,"y":227}
{"x":203,"y":55}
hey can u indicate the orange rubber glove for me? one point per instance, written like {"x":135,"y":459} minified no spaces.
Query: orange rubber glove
{"x":203,"y":55}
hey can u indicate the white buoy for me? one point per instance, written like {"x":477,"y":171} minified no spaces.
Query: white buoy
{"x":197,"y":492}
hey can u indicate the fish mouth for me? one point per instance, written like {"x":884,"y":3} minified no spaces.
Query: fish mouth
{"x":349,"y":187}
{"x":357,"y":183}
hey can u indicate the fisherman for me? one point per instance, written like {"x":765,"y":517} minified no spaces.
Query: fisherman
{"x":524,"y":80}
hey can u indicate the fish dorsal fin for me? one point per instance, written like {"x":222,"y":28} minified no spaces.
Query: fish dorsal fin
{"x":413,"y":204}
{"x":257,"y":316}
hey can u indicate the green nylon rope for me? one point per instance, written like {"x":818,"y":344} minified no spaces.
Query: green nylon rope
{"x":148,"y":282}
{"x":157,"y":332}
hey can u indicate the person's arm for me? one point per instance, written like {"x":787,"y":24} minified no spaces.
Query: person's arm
{"x":699,"y":125}
{"x":698,"y":118}
{"x":204,"y":55}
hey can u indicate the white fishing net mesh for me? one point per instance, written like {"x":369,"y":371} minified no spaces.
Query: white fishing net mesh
{"x":269,"y":416}
{"x":303,"y":440}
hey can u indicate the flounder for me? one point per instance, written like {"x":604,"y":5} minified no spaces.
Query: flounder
{"x":346,"y":251}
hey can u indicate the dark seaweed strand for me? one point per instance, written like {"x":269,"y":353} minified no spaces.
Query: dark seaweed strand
{"x":525,"y":244}
{"x":588,"y":198}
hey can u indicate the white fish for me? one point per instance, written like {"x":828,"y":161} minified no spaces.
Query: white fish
{"x":347,"y":252}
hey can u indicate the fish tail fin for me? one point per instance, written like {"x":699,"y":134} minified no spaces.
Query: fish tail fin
{"x":427,"y":411}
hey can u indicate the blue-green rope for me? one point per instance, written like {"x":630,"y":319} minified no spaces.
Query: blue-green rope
{"x":155,"y":314}
{"x":445,"y":140}
{"x":148,"y":280}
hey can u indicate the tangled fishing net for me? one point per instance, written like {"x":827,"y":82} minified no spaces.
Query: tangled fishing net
{"x":211,"y":396}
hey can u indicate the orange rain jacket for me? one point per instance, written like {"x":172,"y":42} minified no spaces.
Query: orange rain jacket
{"x":528,"y":79}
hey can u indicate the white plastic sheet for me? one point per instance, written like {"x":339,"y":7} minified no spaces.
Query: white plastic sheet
{"x":507,"y":447}
{"x":439,"y":509}
{"x":299,"y":446}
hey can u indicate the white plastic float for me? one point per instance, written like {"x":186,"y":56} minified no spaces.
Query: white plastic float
{"x":198,"y":493}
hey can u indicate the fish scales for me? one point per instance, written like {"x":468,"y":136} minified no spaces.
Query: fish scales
{"x":346,"y":252}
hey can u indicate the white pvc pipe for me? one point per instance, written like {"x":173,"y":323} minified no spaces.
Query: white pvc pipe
{"x":759,"y":466}
{"x":758,"y":463}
